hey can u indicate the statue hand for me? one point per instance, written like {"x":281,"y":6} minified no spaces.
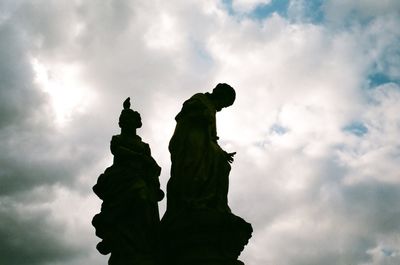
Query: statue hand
{"x":229,"y":157}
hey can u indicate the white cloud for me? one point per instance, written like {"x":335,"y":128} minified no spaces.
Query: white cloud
{"x":244,"y":6}
{"x":376,"y":155}
{"x":163,"y":34}
{"x":341,"y":10}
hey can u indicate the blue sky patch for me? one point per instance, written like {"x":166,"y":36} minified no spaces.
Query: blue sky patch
{"x":311,"y":11}
{"x":265,"y":10}
{"x":378,"y":79}
{"x":356,"y":128}
{"x":279,"y":129}
{"x":261,"y":11}
{"x":228,"y":6}
{"x":387,"y":252}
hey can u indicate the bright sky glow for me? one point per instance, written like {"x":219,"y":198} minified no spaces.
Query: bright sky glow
{"x":163,"y":34}
{"x":67,"y":92}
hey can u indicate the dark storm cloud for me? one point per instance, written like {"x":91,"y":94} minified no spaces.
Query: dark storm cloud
{"x":35,"y":157}
{"x":29,"y":238}
{"x":21,"y":104}
{"x":34,"y":150}
{"x":18,"y":98}
{"x":381,"y":214}
{"x":35,"y":154}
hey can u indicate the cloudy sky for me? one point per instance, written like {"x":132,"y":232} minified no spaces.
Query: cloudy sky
{"x":315,"y":124}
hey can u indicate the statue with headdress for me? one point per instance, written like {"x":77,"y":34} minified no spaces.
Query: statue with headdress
{"x":128,"y":223}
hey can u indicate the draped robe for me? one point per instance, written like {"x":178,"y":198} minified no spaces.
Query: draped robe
{"x":129,"y":218}
{"x":200,"y":170}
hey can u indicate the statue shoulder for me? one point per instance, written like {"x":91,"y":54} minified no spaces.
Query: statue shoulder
{"x":194,"y":103}
{"x":146,"y":148}
{"x":115,"y":139}
{"x":134,"y":143}
{"x":200,"y":99}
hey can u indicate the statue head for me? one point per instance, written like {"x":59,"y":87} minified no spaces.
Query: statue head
{"x":129,"y":119}
{"x":224,"y":95}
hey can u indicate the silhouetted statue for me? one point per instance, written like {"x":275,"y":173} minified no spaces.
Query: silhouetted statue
{"x":129,"y":219}
{"x":198,"y":226}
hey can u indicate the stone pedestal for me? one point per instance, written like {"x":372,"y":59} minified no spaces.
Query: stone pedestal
{"x":203,"y":237}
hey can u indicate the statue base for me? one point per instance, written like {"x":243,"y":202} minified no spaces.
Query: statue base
{"x":203,"y":237}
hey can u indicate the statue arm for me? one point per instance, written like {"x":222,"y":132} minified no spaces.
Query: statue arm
{"x":151,"y":161}
{"x":154,"y":173}
{"x":119,"y":150}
